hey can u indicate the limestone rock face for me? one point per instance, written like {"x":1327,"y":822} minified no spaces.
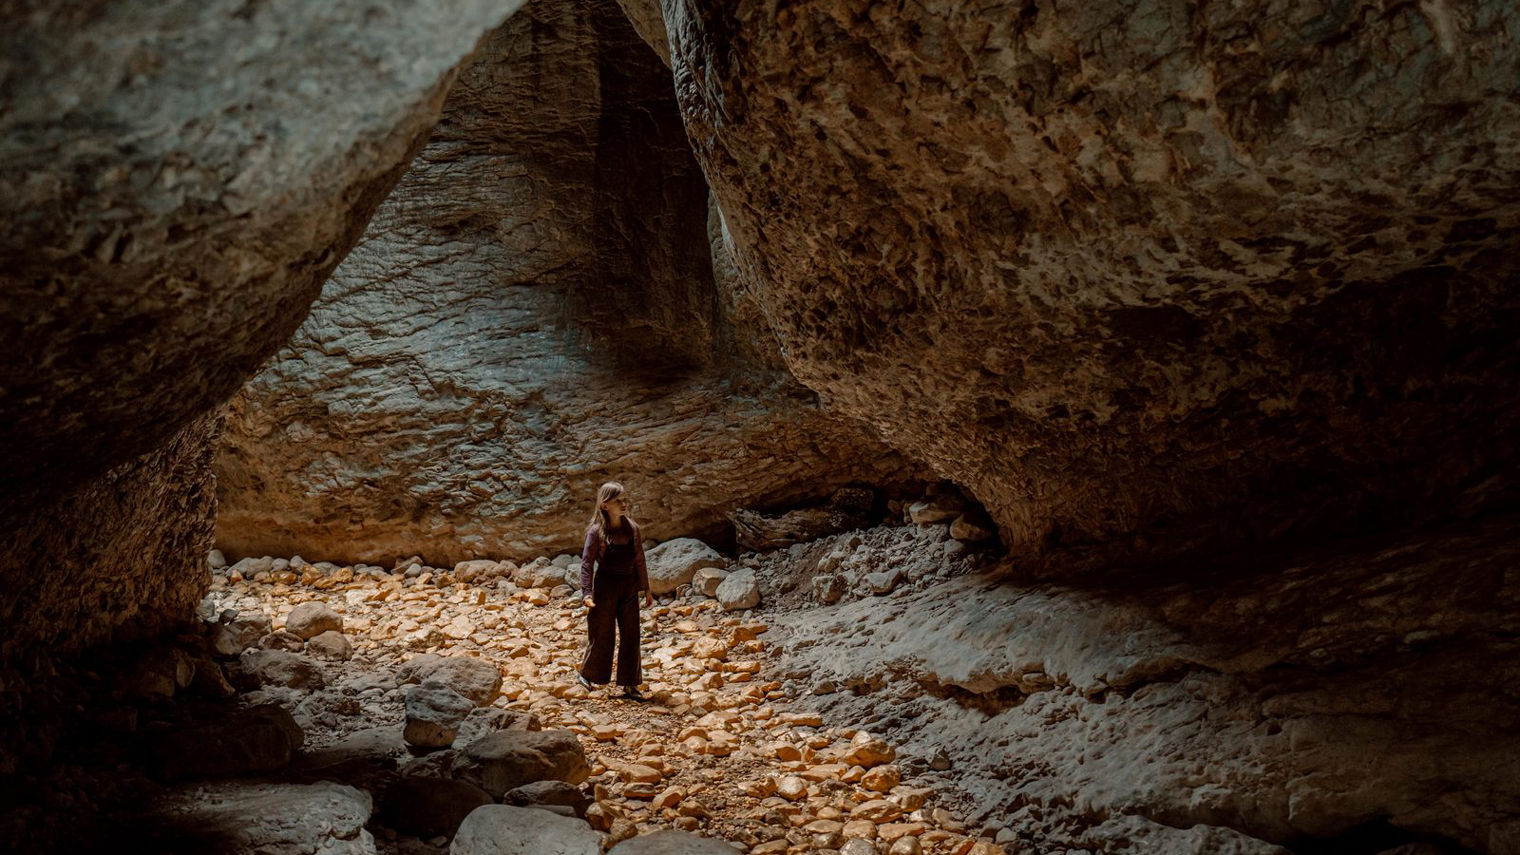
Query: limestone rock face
{"x":176,"y":183}
{"x":123,"y":553}
{"x":1141,"y":276}
{"x":535,"y":310}
{"x":1292,"y":699}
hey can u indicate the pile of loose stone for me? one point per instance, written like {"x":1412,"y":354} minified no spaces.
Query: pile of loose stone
{"x":449,"y":694}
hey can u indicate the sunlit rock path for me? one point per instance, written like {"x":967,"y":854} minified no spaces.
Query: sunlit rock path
{"x":718,"y":749}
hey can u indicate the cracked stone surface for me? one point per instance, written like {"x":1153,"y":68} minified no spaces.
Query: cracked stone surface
{"x":1289,"y":698}
{"x":176,"y":182}
{"x":1145,"y":277}
{"x":544,"y":303}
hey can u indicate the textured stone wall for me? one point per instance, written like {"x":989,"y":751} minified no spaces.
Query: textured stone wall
{"x":1323,"y":700}
{"x":176,"y":182}
{"x":1145,"y":276}
{"x":544,"y":303}
{"x":120,"y":555}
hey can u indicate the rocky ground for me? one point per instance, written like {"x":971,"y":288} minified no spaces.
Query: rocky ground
{"x":364,"y":660}
{"x":887,"y":690}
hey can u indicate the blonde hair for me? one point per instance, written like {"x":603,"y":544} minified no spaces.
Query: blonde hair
{"x":599,"y":522}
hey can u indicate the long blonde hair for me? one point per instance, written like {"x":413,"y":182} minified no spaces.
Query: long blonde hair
{"x":599,"y":522}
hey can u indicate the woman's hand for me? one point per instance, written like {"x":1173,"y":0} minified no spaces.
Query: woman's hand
{"x":648,"y":600}
{"x":590,"y":603}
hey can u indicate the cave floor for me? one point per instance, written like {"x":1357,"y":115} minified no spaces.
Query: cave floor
{"x":716,"y":749}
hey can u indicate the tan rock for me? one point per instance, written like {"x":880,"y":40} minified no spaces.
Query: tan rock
{"x":640,"y":774}
{"x":877,"y":811}
{"x":882,"y":779}
{"x":894,"y":830}
{"x":862,"y":828}
{"x":868,"y":751}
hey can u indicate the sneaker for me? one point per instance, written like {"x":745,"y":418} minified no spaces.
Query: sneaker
{"x":632,"y":693}
{"x":586,"y":684}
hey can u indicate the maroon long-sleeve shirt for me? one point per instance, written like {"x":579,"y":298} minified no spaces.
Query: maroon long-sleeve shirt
{"x":592,"y":553}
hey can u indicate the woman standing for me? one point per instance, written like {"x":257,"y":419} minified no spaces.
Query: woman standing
{"x":613,"y":577}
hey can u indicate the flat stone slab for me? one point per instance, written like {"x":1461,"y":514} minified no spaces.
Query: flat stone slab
{"x":255,"y":818}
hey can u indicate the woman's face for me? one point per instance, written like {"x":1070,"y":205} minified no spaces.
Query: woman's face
{"x":617,"y":505}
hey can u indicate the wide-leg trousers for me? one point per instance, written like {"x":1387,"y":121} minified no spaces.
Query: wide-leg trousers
{"x":613,"y":623}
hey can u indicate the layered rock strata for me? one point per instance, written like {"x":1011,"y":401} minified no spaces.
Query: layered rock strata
{"x":1143,"y":276}
{"x":1321,"y":700}
{"x":543,"y":304}
{"x":176,"y":183}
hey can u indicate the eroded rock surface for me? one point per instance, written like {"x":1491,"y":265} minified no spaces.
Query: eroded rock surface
{"x":176,"y":184}
{"x":535,"y":310}
{"x":257,"y":818}
{"x":123,"y":555}
{"x":1292,"y":699}
{"x":1143,"y":276}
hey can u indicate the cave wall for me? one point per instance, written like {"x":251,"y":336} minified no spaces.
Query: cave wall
{"x":121,"y":557}
{"x":1147,"y":277}
{"x":1321,"y":700}
{"x":545,"y":302}
{"x":176,"y":182}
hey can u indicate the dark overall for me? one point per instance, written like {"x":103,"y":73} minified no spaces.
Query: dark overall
{"x":615,"y":592}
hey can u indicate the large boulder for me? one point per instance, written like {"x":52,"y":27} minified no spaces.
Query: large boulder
{"x":674,"y":563}
{"x":262,"y":818}
{"x":1146,"y":278}
{"x":476,"y":679}
{"x":549,"y":793}
{"x":282,"y":668}
{"x":434,"y":713}
{"x":257,"y":740}
{"x":308,"y":620}
{"x":508,"y":759}
{"x":176,"y":186}
{"x":508,"y":830}
{"x":429,"y":807}
{"x":538,"y":573}
{"x":741,"y":590}
{"x":561,"y":161}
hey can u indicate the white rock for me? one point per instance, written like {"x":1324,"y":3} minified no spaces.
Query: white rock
{"x":707,"y":580}
{"x":249,"y":567}
{"x":508,"y":830}
{"x":476,"y":679}
{"x":274,"y":819}
{"x":309,"y":620}
{"x":478,"y":568}
{"x":674,"y":562}
{"x":216,"y":560}
{"x":538,"y":573}
{"x":739,"y":591}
